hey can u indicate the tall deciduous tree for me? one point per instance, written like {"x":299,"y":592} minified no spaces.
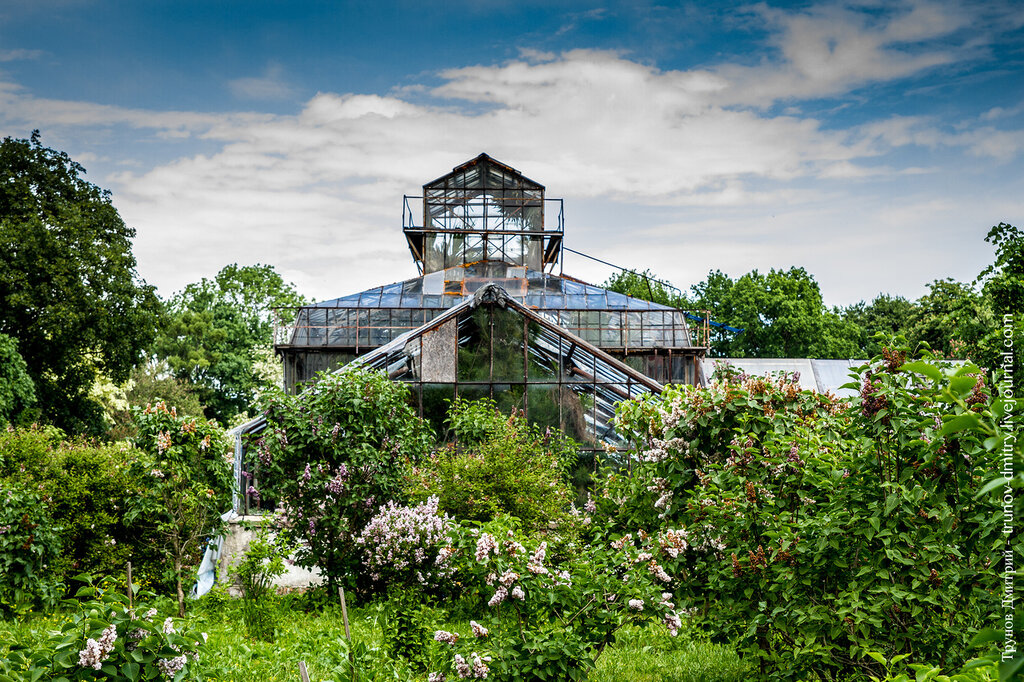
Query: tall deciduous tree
{"x":781,"y":312}
{"x":217,"y":331}
{"x":69,"y":292}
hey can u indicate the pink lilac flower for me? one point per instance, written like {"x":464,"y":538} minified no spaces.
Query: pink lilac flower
{"x":478,"y":630}
{"x":461,"y":667}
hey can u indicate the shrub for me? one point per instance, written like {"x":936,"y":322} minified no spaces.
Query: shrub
{"x":104,"y":635}
{"x":499,"y":464}
{"x":406,"y":545}
{"x":813,"y":531}
{"x":543,"y":622}
{"x":188,"y":486}
{"x":29,"y":542}
{"x":331,"y":456}
{"x":255,"y":573}
{"x":84,"y":490}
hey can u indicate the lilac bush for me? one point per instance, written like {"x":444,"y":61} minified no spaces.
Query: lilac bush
{"x":408,"y":545}
{"x":545,"y":620}
{"x":330,"y":456}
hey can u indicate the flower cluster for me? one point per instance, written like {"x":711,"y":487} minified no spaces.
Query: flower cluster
{"x":95,"y":652}
{"x":169,"y":667}
{"x":478,"y":670}
{"x":408,"y":544}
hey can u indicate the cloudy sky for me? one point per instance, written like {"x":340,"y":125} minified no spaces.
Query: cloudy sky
{"x":873,"y":143}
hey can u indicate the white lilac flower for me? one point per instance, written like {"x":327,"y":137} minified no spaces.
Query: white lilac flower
{"x":478,"y":630}
{"x":91,"y":656}
{"x":485,"y":544}
{"x":673,"y":623}
{"x":499,"y":596}
{"x":508,"y":577}
{"x":636,"y":604}
{"x":446,"y":637}
{"x":436,"y":677}
{"x":149,"y":615}
{"x":517,"y":593}
{"x":480,"y":668}
{"x":461,"y":667}
{"x":170,"y":667}
{"x":168,"y":626}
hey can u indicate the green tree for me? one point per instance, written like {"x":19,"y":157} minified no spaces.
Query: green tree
{"x":646,"y":286}
{"x":782,"y":314}
{"x":217,"y":330}
{"x":17,"y":391}
{"x":890,"y":315}
{"x":69,"y":292}
{"x":953,"y":318}
{"x":1003,"y":286}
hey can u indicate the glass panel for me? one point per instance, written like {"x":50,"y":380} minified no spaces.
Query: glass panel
{"x":474,"y":353}
{"x":577,"y":414}
{"x":509,"y":396}
{"x":543,"y":354}
{"x":436,"y":400}
{"x":543,"y":405}
{"x":507,"y":342}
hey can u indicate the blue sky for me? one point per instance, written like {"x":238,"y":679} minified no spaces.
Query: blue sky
{"x":873,"y":143}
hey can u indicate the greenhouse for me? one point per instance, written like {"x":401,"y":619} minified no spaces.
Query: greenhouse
{"x":492,"y":315}
{"x":484,"y":223}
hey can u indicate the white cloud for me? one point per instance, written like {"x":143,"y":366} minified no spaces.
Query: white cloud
{"x":830,"y":49}
{"x":318,"y":193}
{"x":19,"y":54}
{"x":270,"y":86}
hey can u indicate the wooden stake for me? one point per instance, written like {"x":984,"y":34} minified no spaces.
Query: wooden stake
{"x":344,"y":612}
{"x":302,"y":671}
{"x":131,"y":592}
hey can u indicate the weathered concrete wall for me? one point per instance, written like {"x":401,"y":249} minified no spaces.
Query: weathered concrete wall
{"x":236,"y":543}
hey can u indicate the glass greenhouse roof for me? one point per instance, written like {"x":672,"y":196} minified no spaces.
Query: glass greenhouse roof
{"x":374,"y":317}
{"x":449,"y":287}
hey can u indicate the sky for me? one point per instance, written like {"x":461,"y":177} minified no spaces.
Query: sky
{"x":873,"y":143}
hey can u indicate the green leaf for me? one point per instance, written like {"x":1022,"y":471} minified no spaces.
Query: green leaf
{"x":996,"y":482}
{"x":985,"y":636}
{"x":961,"y":386}
{"x":877,"y":656}
{"x":961,"y":422}
{"x":131,"y":671}
{"x":918,"y":367}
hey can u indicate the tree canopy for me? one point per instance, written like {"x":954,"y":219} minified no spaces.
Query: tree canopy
{"x":217,"y":332}
{"x":69,"y":292}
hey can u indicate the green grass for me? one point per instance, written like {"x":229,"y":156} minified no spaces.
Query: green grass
{"x":318,"y":639}
{"x":652,"y":655}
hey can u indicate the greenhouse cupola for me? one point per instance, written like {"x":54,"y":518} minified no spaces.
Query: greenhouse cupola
{"x":483,"y":210}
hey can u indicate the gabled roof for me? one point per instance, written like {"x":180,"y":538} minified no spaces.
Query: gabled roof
{"x":553,"y":357}
{"x":476,"y":174}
